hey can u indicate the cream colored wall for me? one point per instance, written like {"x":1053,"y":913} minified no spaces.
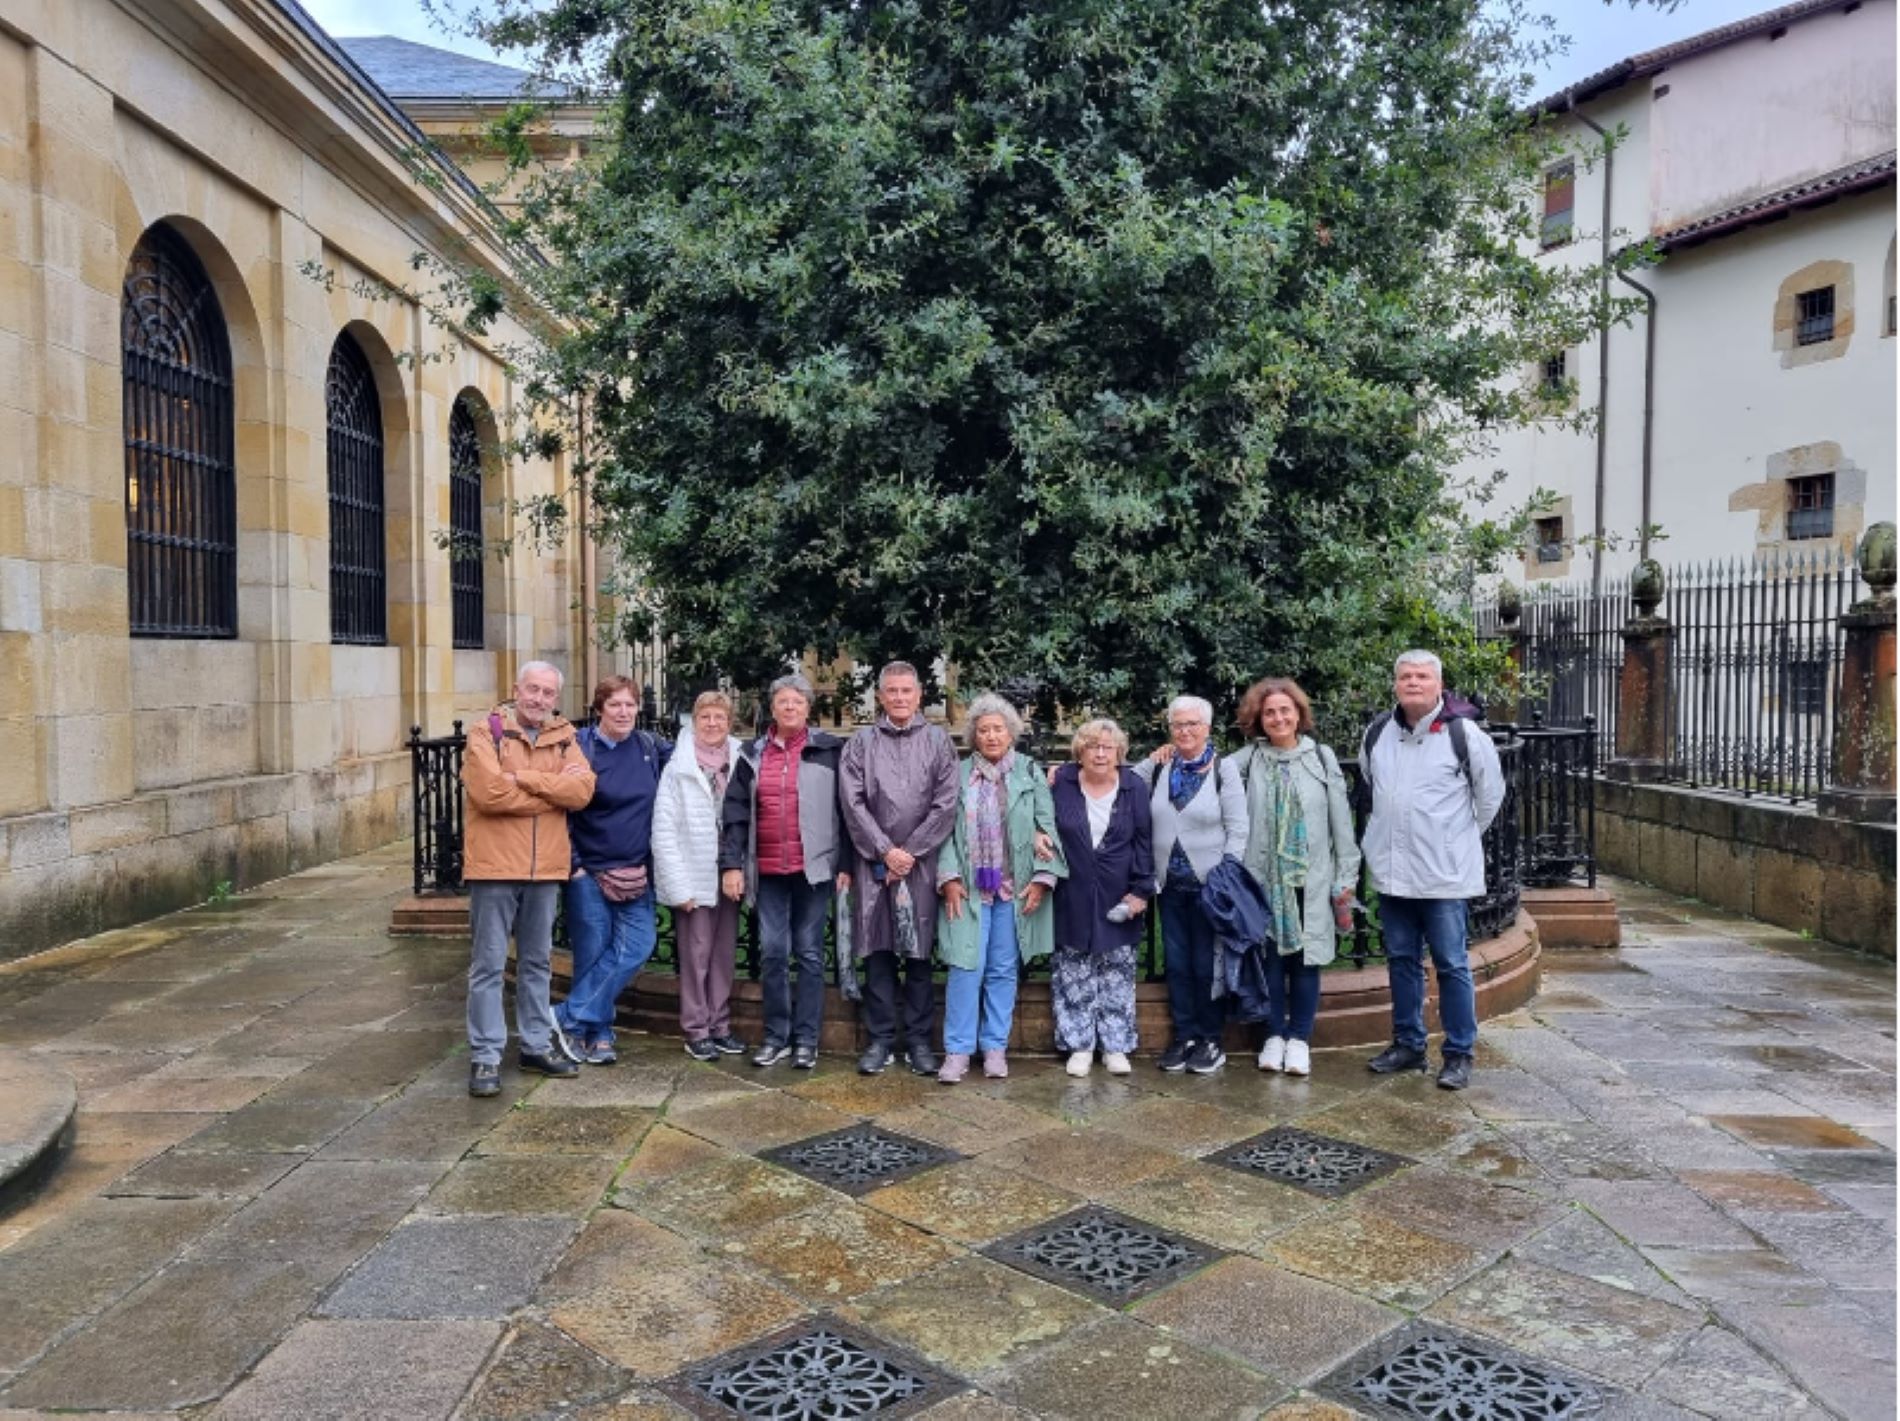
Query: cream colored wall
{"x":1761,"y":114}
{"x":1734,"y":409}
{"x":145,"y":770}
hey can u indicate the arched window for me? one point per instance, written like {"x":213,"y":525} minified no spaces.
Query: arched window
{"x":180,"y":473}
{"x":465,"y":525}
{"x":358,"y":581}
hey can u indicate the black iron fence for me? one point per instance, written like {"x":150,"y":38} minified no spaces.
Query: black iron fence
{"x":436,"y":766}
{"x":1754,"y":666}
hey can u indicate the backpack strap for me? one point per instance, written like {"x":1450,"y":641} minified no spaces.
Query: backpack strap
{"x":1460,"y":750}
{"x":1373,"y":732}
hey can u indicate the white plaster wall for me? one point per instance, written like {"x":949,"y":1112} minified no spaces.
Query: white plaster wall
{"x":1725,"y":406}
{"x":1761,"y":114}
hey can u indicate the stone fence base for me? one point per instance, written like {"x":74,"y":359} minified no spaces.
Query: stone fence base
{"x":1355,"y":1005}
{"x":1785,"y":865}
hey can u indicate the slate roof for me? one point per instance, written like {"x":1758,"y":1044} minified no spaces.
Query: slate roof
{"x":404,"y":69}
{"x":1809,"y":192}
{"x":1653,"y":61}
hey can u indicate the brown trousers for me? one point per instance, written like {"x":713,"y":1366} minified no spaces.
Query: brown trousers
{"x":707,"y":941}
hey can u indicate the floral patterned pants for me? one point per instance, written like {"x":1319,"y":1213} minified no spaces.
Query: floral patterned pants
{"x":1094,"y":997}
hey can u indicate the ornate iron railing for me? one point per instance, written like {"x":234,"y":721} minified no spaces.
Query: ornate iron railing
{"x":1557,"y":804}
{"x":435,"y":784}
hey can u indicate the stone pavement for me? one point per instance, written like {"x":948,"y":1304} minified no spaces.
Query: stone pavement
{"x":1669,"y":1193}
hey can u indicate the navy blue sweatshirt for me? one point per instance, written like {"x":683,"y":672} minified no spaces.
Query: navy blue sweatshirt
{"x":616,"y":828}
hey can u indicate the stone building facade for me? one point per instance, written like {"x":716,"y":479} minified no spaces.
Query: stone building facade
{"x":1748,"y":408}
{"x":224,"y":479}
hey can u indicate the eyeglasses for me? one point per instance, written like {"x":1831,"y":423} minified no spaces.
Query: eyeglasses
{"x":1185,"y":724}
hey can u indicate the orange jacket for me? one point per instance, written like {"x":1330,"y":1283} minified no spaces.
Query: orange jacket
{"x":518,"y":798}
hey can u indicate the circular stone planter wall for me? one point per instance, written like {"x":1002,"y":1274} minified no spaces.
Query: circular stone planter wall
{"x":1355,"y":1005}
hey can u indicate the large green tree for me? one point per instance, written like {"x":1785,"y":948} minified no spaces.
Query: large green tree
{"x":1122,"y":345}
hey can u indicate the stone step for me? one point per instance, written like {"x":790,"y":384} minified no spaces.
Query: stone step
{"x":37,"y":1101}
{"x":430,"y":917}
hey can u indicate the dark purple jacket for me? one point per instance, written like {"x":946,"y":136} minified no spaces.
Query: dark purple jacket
{"x":1099,"y":878}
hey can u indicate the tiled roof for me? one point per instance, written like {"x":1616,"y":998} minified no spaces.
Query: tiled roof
{"x":1653,"y":61}
{"x":404,"y":69}
{"x":1810,"y":192}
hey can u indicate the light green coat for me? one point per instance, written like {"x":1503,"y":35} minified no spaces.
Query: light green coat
{"x":1030,"y":810}
{"x":1332,"y":853}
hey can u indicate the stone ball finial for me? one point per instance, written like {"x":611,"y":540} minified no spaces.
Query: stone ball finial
{"x":1510,"y":604}
{"x":1646,"y":586}
{"x":1876,"y":557}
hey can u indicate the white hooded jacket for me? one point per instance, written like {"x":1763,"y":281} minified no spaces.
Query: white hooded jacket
{"x":1425,"y":838}
{"x":686,"y":830}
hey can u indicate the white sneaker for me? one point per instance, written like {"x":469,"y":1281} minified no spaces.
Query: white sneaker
{"x":1299,"y":1059}
{"x":1117,"y":1063}
{"x":1273,"y":1054}
{"x":1079,"y":1062}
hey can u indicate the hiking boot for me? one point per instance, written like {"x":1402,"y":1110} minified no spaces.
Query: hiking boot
{"x":549,"y":1065}
{"x":484,"y":1079}
{"x":1455,"y":1074}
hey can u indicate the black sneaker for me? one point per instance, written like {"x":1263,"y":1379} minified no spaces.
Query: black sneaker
{"x":561,"y":1044}
{"x":600,"y":1053}
{"x":875,"y":1058}
{"x":484,"y":1078}
{"x":548,"y":1065}
{"x":923,"y":1061}
{"x":1206,"y":1057}
{"x":727,"y":1045}
{"x":1396,"y":1058}
{"x":1455,"y":1074}
{"x":702,"y":1050}
{"x":805,"y":1058}
{"x":1175,"y":1058}
{"x":770,"y":1054}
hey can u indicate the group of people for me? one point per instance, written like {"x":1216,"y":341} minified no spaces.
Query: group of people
{"x":1249,"y":859}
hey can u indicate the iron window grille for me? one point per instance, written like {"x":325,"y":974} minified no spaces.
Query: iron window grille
{"x":1811,"y":507}
{"x":1807,"y":685}
{"x":358,"y":577}
{"x":465,"y":526}
{"x":1550,"y":539}
{"x":180,"y":466}
{"x":1560,"y":204}
{"x":1814,"y":311}
{"x":1551,"y":378}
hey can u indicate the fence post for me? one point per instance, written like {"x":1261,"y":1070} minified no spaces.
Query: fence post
{"x":1510,"y":630}
{"x":1863,"y":787}
{"x":1642,"y":691}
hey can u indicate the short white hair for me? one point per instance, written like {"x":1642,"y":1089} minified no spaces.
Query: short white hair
{"x":893,"y":669}
{"x":529,"y":668}
{"x":1420,"y":658}
{"x":793,"y":682}
{"x":1192,"y":703}
{"x":989,"y":703}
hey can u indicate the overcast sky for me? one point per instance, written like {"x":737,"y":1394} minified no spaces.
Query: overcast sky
{"x":1600,"y":33}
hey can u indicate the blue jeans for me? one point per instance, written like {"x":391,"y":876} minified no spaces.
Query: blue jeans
{"x":1187,"y":953}
{"x":1292,"y":995}
{"x":610,"y":943}
{"x":792,"y":926}
{"x":993,"y":983}
{"x":1411,"y":925}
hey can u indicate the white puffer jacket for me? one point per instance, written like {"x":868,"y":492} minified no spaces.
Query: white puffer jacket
{"x":686,"y":830}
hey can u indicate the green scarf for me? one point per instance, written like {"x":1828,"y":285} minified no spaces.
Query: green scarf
{"x":1276,"y":808}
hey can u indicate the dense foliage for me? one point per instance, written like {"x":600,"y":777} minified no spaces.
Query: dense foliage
{"x":1117,"y":345}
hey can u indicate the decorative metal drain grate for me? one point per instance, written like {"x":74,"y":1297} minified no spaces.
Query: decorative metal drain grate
{"x":860,"y":1158}
{"x":1104,"y":1255}
{"x":819,"y":1370}
{"x":1432,"y":1375}
{"x":1318,"y":1164}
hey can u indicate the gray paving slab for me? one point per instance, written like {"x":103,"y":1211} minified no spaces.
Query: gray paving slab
{"x":346,"y":1371}
{"x":452,"y":1268}
{"x":1719,"y":1374}
{"x":1833,"y":1350}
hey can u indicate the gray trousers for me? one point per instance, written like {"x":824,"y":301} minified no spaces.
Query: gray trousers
{"x":496,"y":911}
